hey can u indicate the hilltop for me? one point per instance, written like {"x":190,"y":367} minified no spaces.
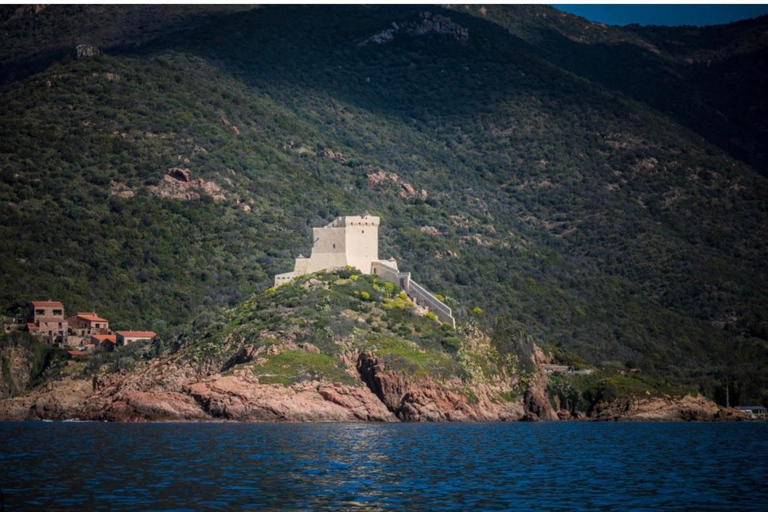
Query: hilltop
{"x":515,"y":163}
{"x":329,"y":346}
{"x":335,"y":346}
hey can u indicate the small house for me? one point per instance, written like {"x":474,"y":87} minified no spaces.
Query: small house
{"x":85,"y":324}
{"x":128,"y":337}
{"x":46,"y":318}
{"x":105,"y":341}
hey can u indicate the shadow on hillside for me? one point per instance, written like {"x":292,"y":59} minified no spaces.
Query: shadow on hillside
{"x":289,"y":50}
{"x":292,"y":50}
{"x":724,"y":102}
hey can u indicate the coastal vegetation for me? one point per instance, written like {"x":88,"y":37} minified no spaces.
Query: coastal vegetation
{"x":617,"y":227}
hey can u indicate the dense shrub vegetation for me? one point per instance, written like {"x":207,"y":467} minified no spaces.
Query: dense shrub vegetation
{"x":569,"y":209}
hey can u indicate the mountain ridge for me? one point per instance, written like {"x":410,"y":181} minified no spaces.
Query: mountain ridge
{"x":554,"y":200}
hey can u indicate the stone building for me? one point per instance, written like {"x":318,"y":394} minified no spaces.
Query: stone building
{"x":123,"y":338}
{"x":350,"y":240}
{"x":46,"y":318}
{"x":353,"y":241}
{"x":86,"y":324}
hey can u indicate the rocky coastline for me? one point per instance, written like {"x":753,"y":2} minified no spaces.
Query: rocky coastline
{"x":163,"y":391}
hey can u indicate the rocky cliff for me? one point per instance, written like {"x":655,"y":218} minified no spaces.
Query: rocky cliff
{"x":335,"y":346}
{"x":156,"y":394}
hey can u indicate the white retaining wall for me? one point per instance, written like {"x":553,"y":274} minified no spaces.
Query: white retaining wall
{"x":418,"y":293}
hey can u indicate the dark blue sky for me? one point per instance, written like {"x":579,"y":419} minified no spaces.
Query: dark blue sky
{"x":663,"y":14}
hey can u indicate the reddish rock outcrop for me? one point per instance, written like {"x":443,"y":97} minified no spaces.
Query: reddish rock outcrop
{"x":26,"y":10}
{"x":687,"y":408}
{"x":133,"y":406}
{"x":244,"y":399}
{"x":178,"y":184}
{"x":426,"y":400}
{"x":536,"y":401}
{"x":406,"y":190}
{"x":180,"y":174}
{"x":56,"y":401}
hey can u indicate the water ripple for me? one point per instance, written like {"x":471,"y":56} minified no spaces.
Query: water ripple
{"x":557,"y":467}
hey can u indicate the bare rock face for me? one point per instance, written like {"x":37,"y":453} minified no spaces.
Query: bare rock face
{"x":338,"y":155}
{"x":244,"y":399}
{"x":178,"y":184}
{"x":137,"y":406}
{"x":536,"y":401}
{"x":179,"y":174}
{"x":55,"y":401}
{"x":19,"y":369}
{"x":426,"y":400}
{"x":406,"y":190}
{"x":28,"y":10}
{"x":687,"y":408}
{"x":430,"y":230}
{"x":436,"y":24}
{"x":83,"y":51}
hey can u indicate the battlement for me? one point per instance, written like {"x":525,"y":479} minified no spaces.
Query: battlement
{"x":354,"y":220}
{"x":353,"y":241}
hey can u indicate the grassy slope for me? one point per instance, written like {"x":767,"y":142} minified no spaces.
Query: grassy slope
{"x":338,"y":313}
{"x":593,"y":221}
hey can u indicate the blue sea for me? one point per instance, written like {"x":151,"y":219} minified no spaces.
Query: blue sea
{"x":352,"y":466}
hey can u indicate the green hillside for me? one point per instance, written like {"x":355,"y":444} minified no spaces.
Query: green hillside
{"x":323,"y":317}
{"x":556,"y":201}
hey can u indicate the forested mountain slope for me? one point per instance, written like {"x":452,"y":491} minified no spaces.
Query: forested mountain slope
{"x":558,"y":199}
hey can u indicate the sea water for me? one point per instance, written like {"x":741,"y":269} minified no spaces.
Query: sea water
{"x":353,"y":466}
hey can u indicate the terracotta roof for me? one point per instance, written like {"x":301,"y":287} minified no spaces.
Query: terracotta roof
{"x":32,"y":327}
{"x":91,"y":317}
{"x":105,"y":337}
{"x":137,"y":334}
{"x":47,"y":303}
{"x":75,"y":353}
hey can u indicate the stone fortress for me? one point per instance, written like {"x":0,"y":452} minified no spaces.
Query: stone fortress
{"x":353,"y":240}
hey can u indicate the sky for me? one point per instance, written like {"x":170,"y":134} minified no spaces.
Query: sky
{"x":664,"y":14}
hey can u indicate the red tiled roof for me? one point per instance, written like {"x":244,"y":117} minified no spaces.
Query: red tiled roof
{"x":75,"y":353}
{"x":47,"y":303}
{"x":105,"y":337}
{"x":137,"y":334}
{"x":32,"y":327}
{"x":91,"y":317}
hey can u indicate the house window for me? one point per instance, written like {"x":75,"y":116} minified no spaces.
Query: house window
{"x":334,"y":246}
{"x":39,"y":311}
{"x":57,"y":312}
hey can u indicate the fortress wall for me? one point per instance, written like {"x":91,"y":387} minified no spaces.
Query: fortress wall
{"x":418,"y":293}
{"x":301,"y":266}
{"x":432,"y":303}
{"x":388,"y":273}
{"x":362,"y":242}
{"x":328,"y":249}
{"x":284,"y":278}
